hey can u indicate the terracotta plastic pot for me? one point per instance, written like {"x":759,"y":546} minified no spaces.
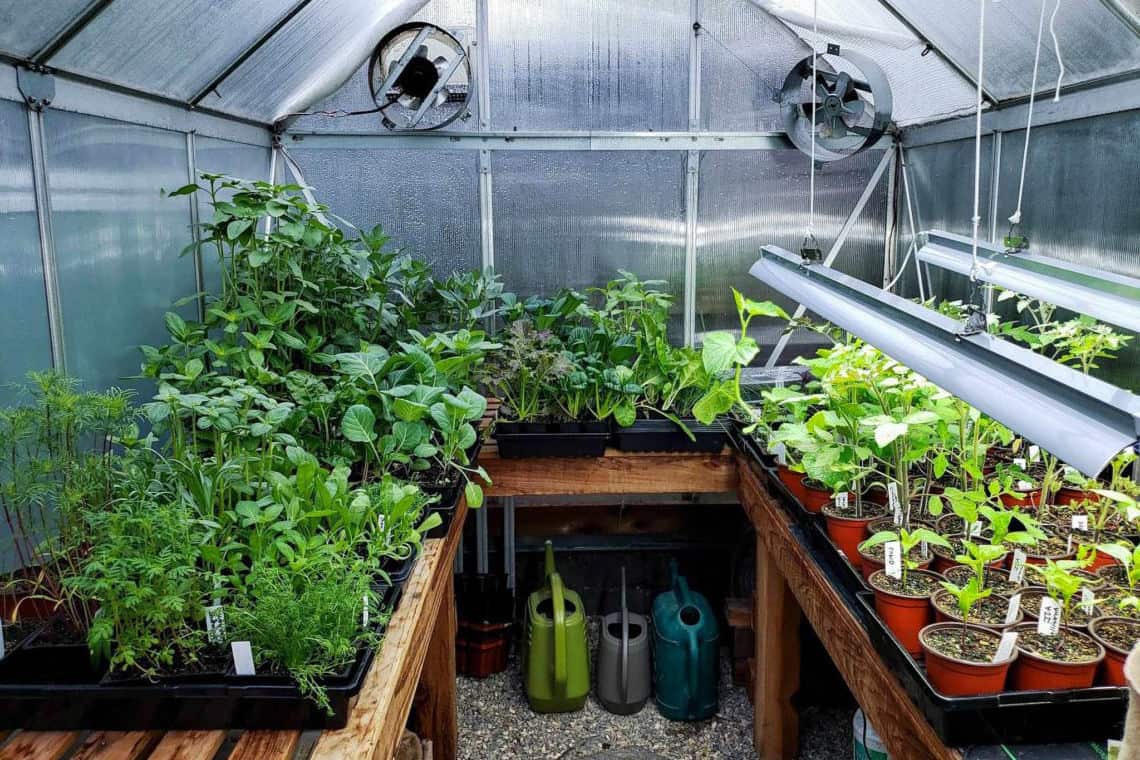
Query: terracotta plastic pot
{"x":1112,"y":669}
{"x":906,"y":616}
{"x":1022,"y":498}
{"x":815,"y":499}
{"x":961,"y":678}
{"x":1067,"y":496}
{"x":848,"y":533}
{"x":1101,"y":559}
{"x":794,"y":481}
{"x":1036,"y":673}
{"x":868,"y":565}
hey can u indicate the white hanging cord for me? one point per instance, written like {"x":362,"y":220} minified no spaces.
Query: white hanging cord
{"x":1056,"y":51}
{"x":978,"y":139}
{"x":913,"y":236}
{"x":1016,"y":217}
{"x":814,"y":102}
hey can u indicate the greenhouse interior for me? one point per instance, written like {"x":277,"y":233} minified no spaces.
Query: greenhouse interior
{"x":569,"y":379}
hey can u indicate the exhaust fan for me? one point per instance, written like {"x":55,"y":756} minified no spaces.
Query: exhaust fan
{"x":420,"y":77}
{"x":852,"y":103}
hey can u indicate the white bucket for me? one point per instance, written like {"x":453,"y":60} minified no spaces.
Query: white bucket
{"x":867,"y":744}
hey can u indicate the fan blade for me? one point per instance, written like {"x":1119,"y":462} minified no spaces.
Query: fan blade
{"x":843,"y":85}
{"x":822,"y":90}
{"x":441,"y":97}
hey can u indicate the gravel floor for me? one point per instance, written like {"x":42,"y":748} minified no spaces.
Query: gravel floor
{"x":496,"y":722}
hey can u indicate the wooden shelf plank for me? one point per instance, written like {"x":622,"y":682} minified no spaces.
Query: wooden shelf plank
{"x":116,"y":745}
{"x":266,"y":745}
{"x":899,"y":722}
{"x":188,"y":745}
{"x":38,"y":745}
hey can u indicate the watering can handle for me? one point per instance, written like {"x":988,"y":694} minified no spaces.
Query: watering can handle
{"x":559,"y":603}
{"x":694,"y":665}
{"x":681,"y":589}
{"x":624,"y":642}
{"x":550,"y":569}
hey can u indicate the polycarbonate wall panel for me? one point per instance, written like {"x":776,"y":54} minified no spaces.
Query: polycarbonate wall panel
{"x":756,"y":198}
{"x":427,"y":201}
{"x":24,"y":339}
{"x":565,"y":219}
{"x":27,"y":25}
{"x":235,"y":160}
{"x":1094,"y":42}
{"x":593,"y":64}
{"x":745,"y":55}
{"x":117,"y":240}
{"x":174,"y":47}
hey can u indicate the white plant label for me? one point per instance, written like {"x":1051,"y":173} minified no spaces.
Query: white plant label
{"x":364,"y":614}
{"x":1017,"y":568}
{"x":893,"y":500}
{"x":781,"y":452}
{"x":892,"y":559}
{"x":1034,"y":453}
{"x":1005,"y":648}
{"x":841,"y":500}
{"x":1013,"y":608}
{"x":1024,"y":485}
{"x":1049,"y":617}
{"x":1019,"y":463}
{"x":243,"y":658}
{"x":215,"y":624}
{"x":925,"y":549}
{"x":976,"y":528}
{"x":1088,"y":601}
{"x":1080,"y":522}
{"x":1069,"y":544}
{"x":380,"y":523}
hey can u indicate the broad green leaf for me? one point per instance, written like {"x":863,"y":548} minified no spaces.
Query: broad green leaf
{"x":474,"y":494}
{"x":718,"y":352}
{"x":358,"y":424}
{"x":887,"y":432}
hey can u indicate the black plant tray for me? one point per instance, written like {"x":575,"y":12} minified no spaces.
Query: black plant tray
{"x":74,"y":699}
{"x":747,"y":444}
{"x":525,"y":440}
{"x":665,"y":435}
{"x":1038,"y":717}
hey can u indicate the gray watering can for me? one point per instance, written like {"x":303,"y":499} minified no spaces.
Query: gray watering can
{"x":624,"y":672}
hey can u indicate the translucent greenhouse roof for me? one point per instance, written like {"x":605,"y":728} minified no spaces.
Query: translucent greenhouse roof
{"x":261,"y":60}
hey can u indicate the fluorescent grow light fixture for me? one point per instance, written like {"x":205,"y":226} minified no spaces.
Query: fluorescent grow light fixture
{"x":1080,"y":419}
{"x":1109,"y":297}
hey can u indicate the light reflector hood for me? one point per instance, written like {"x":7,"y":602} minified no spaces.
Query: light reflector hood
{"x":1080,"y":419}
{"x":1109,"y":297}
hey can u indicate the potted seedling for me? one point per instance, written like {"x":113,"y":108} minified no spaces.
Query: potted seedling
{"x":963,"y":659}
{"x":1118,"y":632}
{"x":989,"y":610}
{"x":902,"y":591}
{"x":1053,"y":654}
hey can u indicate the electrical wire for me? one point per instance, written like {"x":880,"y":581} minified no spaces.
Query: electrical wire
{"x":1016,"y":216}
{"x":1056,"y":51}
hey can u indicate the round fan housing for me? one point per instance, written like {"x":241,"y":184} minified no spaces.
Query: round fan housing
{"x":852,"y":102}
{"x":420,"y":77}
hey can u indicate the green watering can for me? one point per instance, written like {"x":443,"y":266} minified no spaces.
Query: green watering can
{"x":556,"y":666}
{"x":685,"y":638}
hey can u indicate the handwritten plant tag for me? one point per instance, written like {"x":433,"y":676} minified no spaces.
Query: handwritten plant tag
{"x":1013,"y":608}
{"x":1017,"y":568}
{"x":1034,"y":453}
{"x":364,"y":614}
{"x":1080,"y":522}
{"x":781,"y":452}
{"x":1049,"y":617}
{"x":243,"y":658}
{"x":976,"y":528}
{"x":893,"y":501}
{"x":1019,"y":463}
{"x":1005,"y":648}
{"x":841,"y":500}
{"x":1088,"y":600}
{"x":215,"y":624}
{"x":1024,"y":485}
{"x":892,"y":559}
{"x":925,"y":549}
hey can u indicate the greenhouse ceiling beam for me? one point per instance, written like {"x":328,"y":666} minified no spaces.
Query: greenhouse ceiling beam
{"x":1082,"y":420}
{"x":69,"y":32}
{"x":94,"y":98}
{"x":1109,"y":297}
{"x":580,"y":141}
{"x":250,"y":49}
{"x":937,"y":49}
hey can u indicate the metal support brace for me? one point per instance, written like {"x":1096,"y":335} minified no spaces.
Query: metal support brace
{"x":509,"y":540}
{"x":695,"y":66}
{"x":482,"y":70}
{"x":887,"y":160}
{"x":486,"y":211}
{"x":995,"y":186}
{"x":482,"y":558}
{"x":295,"y":169}
{"x":37,"y":98}
{"x":272,"y":179}
{"x":890,"y":238}
{"x":195,"y":232}
{"x":692,"y":195}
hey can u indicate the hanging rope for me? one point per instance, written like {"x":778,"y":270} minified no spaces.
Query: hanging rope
{"x":1056,"y":51}
{"x":978,"y":140}
{"x":1016,"y":217}
{"x":814,"y":103}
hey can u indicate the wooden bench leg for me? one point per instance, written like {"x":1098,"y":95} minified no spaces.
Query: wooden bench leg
{"x":434,"y":709}
{"x":776,"y":729}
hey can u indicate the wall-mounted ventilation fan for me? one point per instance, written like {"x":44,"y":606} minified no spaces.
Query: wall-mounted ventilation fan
{"x":852,"y":104}
{"x":420,"y":77}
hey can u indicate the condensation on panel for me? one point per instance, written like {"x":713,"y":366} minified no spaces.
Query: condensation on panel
{"x":24,"y":337}
{"x":426,"y":201}
{"x":589,"y":64}
{"x":566,"y":219}
{"x":745,"y":55}
{"x":172,"y":47}
{"x":215,"y":156}
{"x":456,"y":16}
{"x":755,"y":198}
{"x":117,"y":240}
{"x":24,"y":29}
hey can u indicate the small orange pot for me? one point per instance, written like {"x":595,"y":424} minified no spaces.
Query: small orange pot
{"x":906,"y":616}
{"x":869,"y":565}
{"x":1035,"y":673}
{"x":794,"y":481}
{"x":849,"y":532}
{"x":1112,"y":669}
{"x":815,"y":499}
{"x":1101,"y":559}
{"x":962,"y":678}
{"x":1022,"y":498}
{"x":1067,"y":496}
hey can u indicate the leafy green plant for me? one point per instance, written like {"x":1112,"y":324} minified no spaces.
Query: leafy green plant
{"x":1061,"y":582}
{"x":908,"y":541}
{"x":967,"y":597}
{"x":525,"y":370}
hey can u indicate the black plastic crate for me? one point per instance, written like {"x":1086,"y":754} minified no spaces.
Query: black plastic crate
{"x":525,"y":440}
{"x":666,"y":435}
{"x":1071,"y":715}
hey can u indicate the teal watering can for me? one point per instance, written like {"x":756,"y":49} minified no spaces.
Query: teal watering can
{"x":685,"y":644}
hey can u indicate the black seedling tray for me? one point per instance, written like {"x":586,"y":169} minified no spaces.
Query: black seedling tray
{"x":665,"y":435}
{"x":1010,"y":717}
{"x":525,"y":440}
